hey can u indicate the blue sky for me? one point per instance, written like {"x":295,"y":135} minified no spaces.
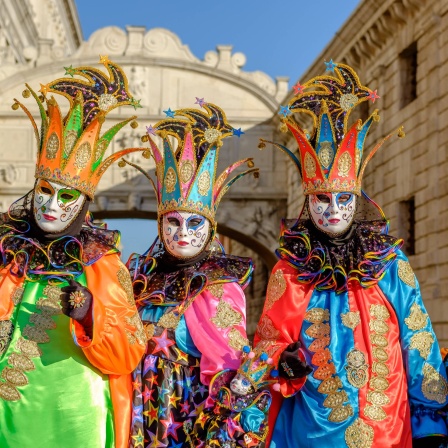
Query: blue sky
{"x":279,"y":38}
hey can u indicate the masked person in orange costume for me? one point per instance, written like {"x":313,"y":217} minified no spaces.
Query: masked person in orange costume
{"x":69,"y":329}
{"x":358,"y":360}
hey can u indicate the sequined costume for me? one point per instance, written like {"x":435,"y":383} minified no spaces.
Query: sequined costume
{"x":352,"y":301}
{"x":193,"y":307}
{"x":61,"y":385}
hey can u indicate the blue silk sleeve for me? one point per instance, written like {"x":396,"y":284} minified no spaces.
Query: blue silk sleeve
{"x":426,"y":374}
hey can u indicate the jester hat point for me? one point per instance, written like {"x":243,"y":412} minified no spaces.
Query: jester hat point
{"x":71,"y":149}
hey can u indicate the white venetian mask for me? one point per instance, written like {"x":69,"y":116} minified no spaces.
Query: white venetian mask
{"x":332,"y":213}
{"x":240,"y":385}
{"x":56,"y":206}
{"x":185,"y":234}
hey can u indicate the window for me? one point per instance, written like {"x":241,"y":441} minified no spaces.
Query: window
{"x":408,"y":74}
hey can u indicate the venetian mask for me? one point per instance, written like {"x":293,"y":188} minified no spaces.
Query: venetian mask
{"x":56,"y":206}
{"x":185,"y":234}
{"x":240,"y":385}
{"x":332,"y":213}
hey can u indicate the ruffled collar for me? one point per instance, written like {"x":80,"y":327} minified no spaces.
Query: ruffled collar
{"x":362,"y":255}
{"x":153,"y":283}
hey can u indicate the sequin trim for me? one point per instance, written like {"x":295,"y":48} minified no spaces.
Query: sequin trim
{"x":378,"y":384}
{"x":236,"y":339}
{"x":331,"y":383}
{"x":125,"y":281}
{"x":217,"y":290}
{"x":6,"y":329}
{"x":139,"y":335}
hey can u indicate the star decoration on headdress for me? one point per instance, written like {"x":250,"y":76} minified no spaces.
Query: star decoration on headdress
{"x":169,"y":113}
{"x":44,"y":89}
{"x":70,"y":71}
{"x":373,"y":95}
{"x":135,"y":103}
{"x":200,"y":101}
{"x":298,"y":88}
{"x":104,"y":59}
{"x":330,"y":65}
{"x":238,"y":132}
{"x":151,"y":130}
{"x":285,"y":111}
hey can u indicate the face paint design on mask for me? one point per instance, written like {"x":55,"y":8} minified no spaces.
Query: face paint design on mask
{"x":184,"y":234}
{"x":332,"y":213}
{"x":56,"y":206}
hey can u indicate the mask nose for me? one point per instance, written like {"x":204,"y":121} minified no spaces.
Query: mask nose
{"x":52,"y":204}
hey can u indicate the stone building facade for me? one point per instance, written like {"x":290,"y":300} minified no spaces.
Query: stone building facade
{"x":400,"y":47}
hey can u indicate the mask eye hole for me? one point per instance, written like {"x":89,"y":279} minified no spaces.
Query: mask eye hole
{"x":194,"y":222}
{"x":323,"y":198}
{"x":173,"y":222}
{"x":343,"y":198}
{"x":45,"y":190}
{"x":67,"y":196}
{"x":245,"y":382}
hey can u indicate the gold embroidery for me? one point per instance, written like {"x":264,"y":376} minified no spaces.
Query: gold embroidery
{"x":101,"y":147}
{"x":217,"y":290}
{"x":211,"y":135}
{"x":406,"y":273}
{"x":236,"y":339}
{"x":422,"y":342}
{"x":357,"y":368}
{"x":434,"y":385}
{"x":226,"y":316}
{"x":276,"y":288}
{"x":82,"y":156}
{"x":20,"y":361}
{"x":326,"y":154}
{"x":204,"y":183}
{"x":69,"y":141}
{"x":139,"y":334}
{"x":320,"y":331}
{"x":52,"y":146}
{"x":344,"y":164}
{"x":169,"y":320}
{"x":106,"y":101}
{"x":417,"y":319}
{"x":310,"y":165}
{"x":126,"y":283}
{"x":351,"y":319}
{"x":379,"y":384}
{"x":170,"y":180}
{"x":149,"y":330}
{"x":266,"y":329}
{"x":17,"y":295}
{"x":348,"y":101}
{"x":6,"y":329}
{"x":359,"y":435}
{"x":186,"y":171}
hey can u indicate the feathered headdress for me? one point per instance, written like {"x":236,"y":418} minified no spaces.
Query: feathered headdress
{"x":71,"y":149}
{"x":330,"y":157}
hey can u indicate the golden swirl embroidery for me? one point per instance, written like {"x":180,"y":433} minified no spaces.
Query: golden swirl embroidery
{"x":266,"y":329}
{"x":125,"y":281}
{"x":344,"y":164}
{"x":276,"y":288}
{"x":217,"y":290}
{"x":406,"y":273}
{"x":69,"y":141}
{"x":186,"y":171}
{"x":226,"y":316}
{"x":82,"y":156}
{"x":52,"y":146}
{"x":434,"y":385}
{"x":348,"y":101}
{"x":417,"y":319}
{"x":326,"y":154}
{"x":422,"y":342}
{"x":20,"y":360}
{"x":100,"y":149}
{"x":322,"y":358}
{"x":351,"y":319}
{"x":17,"y":295}
{"x":359,"y":435}
{"x":310,"y":165}
{"x":170,"y":180}
{"x":6,"y":329}
{"x":204,"y":181}
{"x":211,"y":135}
{"x":357,"y":368}
{"x":379,"y":383}
{"x":236,"y":339}
{"x":139,"y":335}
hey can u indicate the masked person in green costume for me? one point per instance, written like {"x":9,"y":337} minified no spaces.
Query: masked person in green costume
{"x":69,"y":330}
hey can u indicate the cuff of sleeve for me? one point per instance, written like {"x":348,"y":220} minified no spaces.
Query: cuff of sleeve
{"x":79,"y":335}
{"x":428,"y":422}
